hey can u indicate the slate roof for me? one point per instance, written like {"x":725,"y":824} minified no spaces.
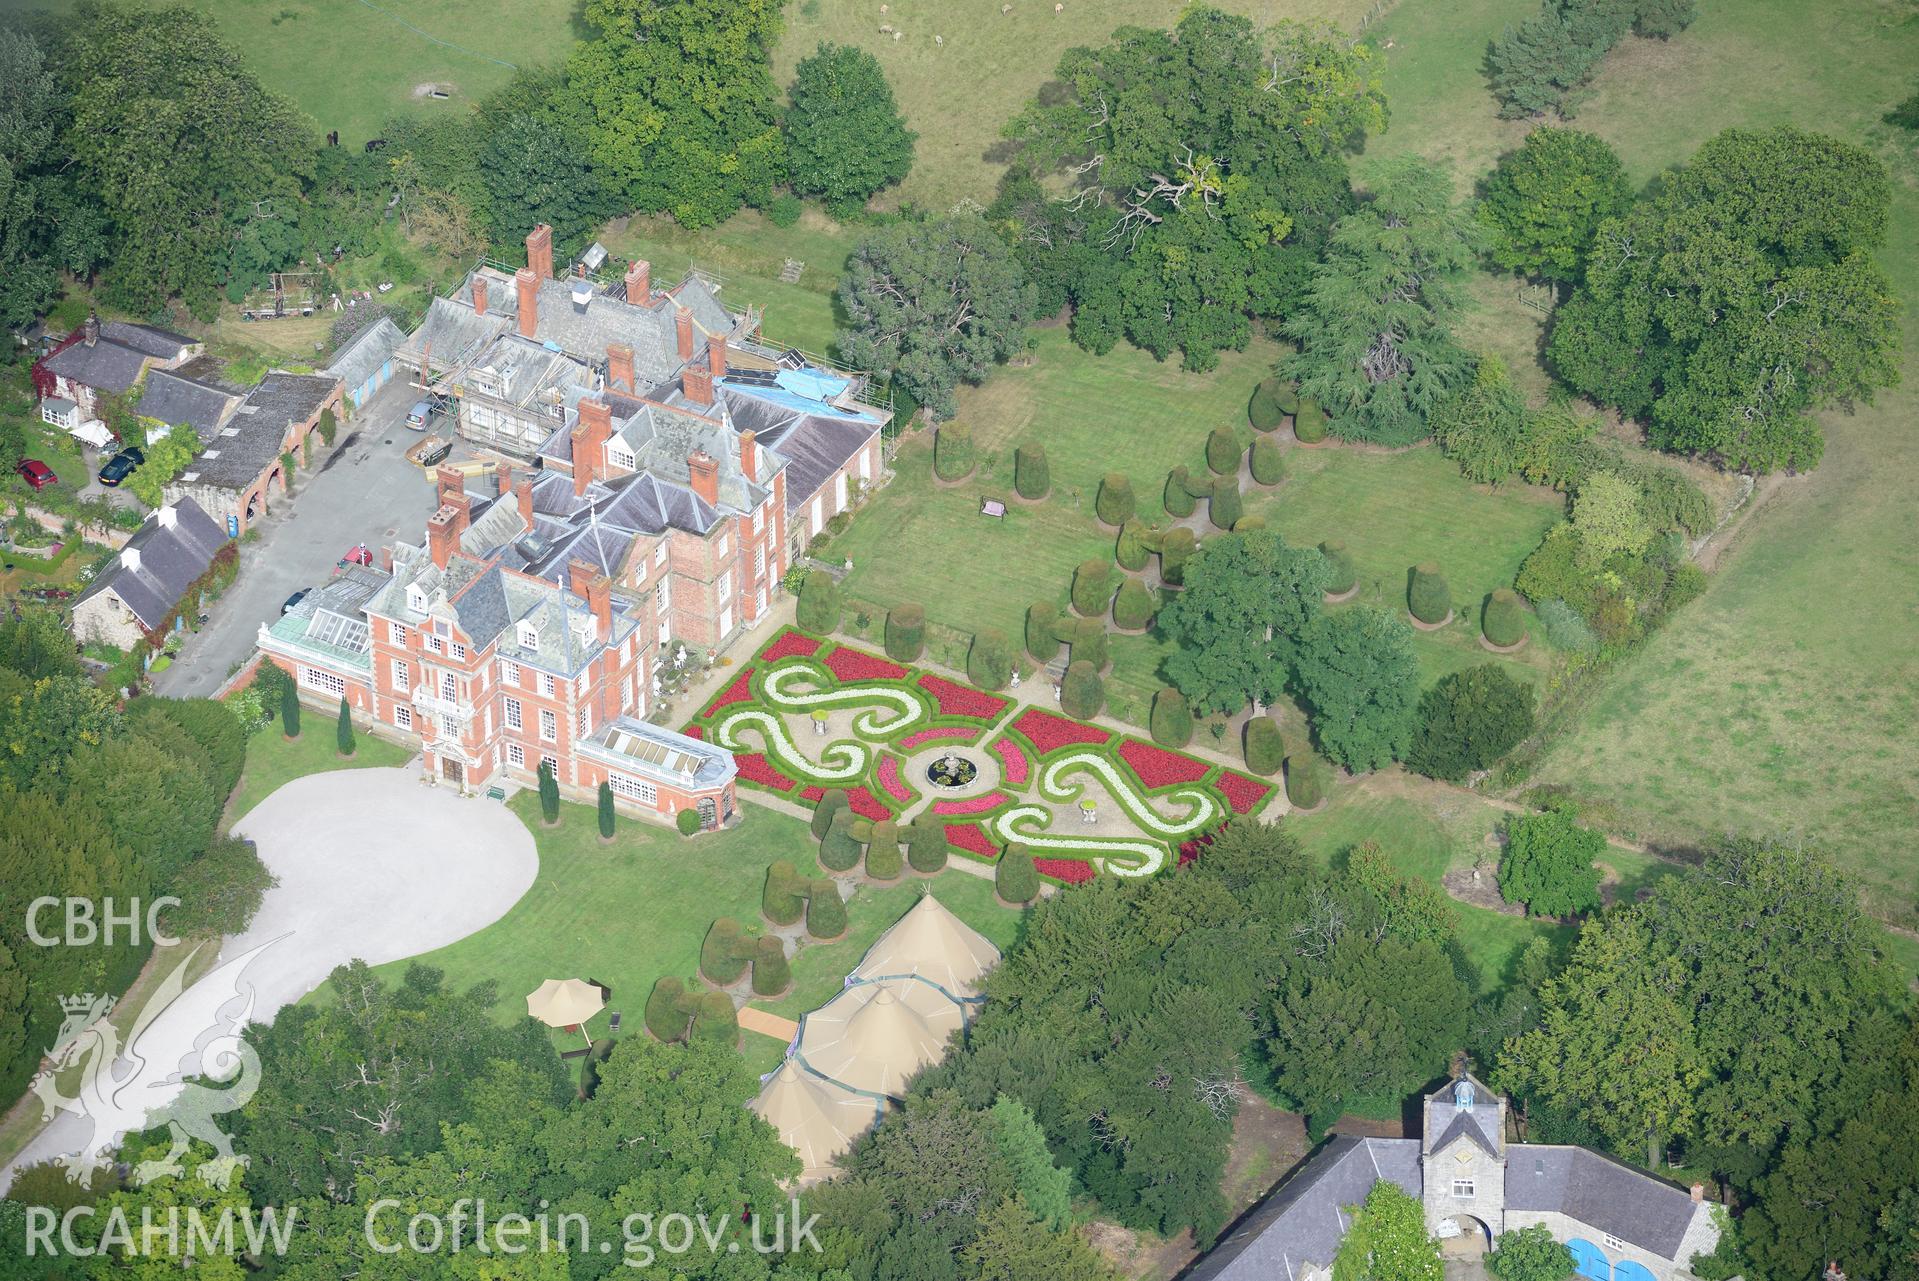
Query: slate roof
{"x":1447,"y":1118}
{"x":366,"y":351}
{"x":175,"y":399}
{"x":170,"y":560}
{"x":815,"y":446}
{"x":161,"y":344}
{"x":452,"y":334}
{"x":1302,"y":1221}
{"x":1630,"y":1204}
{"x":235,"y":455}
{"x":105,"y":366}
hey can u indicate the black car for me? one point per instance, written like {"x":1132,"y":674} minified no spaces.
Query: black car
{"x":294,"y":600}
{"x":121,"y":465}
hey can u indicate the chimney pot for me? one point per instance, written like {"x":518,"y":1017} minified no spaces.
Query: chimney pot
{"x":539,"y":251}
{"x":683,"y":326}
{"x":703,"y":473}
{"x":528,"y":286}
{"x":447,"y":482}
{"x":441,"y":535}
{"x":479,"y":294}
{"x":1698,"y":1192}
{"x":590,"y":435}
{"x":505,"y":477}
{"x":91,"y":329}
{"x":386,"y":560}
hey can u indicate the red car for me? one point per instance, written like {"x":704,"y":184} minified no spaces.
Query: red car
{"x":35,"y":472}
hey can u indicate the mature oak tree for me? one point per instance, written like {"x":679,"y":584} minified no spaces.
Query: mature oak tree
{"x":1247,"y":599}
{"x":845,"y":136}
{"x":1359,"y":679}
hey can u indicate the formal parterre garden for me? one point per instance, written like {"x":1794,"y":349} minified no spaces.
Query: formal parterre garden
{"x":806,"y":715}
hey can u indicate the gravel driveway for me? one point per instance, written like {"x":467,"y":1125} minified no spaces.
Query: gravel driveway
{"x":372,"y":863}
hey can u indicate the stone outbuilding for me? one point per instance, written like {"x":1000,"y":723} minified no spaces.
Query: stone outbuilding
{"x":242,"y":463}
{"x":140,"y":589}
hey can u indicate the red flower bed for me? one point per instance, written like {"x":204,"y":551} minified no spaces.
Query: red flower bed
{"x":971,"y":805}
{"x":1047,"y":732}
{"x":919,"y":736}
{"x":853,"y":665}
{"x":969,"y":837}
{"x":738,"y":692}
{"x":962,"y":700}
{"x":694,"y":731}
{"x":1244,"y":794}
{"x":755,"y":768}
{"x":811,"y":793}
{"x":1070,"y":871}
{"x":789,"y":644}
{"x":858,"y":799}
{"x":890,"y":780}
{"x":1012,"y":760}
{"x":1158,"y":767}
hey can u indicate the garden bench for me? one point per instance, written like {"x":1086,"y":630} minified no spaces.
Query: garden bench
{"x":992,"y":507}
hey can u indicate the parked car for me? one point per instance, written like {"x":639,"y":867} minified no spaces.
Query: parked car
{"x":121,"y":465}
{"x":35,"y":472}
{"x":293,"y":600}
{"x":358,"y":554}
{"x":416,"y":417}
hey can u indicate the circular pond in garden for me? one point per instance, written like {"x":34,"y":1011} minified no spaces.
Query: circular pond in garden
{"x":951,"y":771}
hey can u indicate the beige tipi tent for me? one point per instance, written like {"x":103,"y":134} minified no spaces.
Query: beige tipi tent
{"x":934,"y":944}
{"x":868,"y":1038}
{"x":817,"y":1119}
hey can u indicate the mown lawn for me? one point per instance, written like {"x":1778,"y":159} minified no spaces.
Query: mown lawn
{"x":273,"y":759}
{"x":631,"y":912}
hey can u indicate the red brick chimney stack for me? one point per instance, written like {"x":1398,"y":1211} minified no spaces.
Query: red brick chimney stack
{"x":683,"y":322}
{"x":704,"y":475}
{"x":479,"y":294}
{"x":528,"y":286}
{"x":716,"y":357}
{"x":523,"y":491}
{"x":446,"y":483}
{"x":590,"y":435}
{"x":596,"y":589}
{"x":639,"y":282}
{"x":619,"y":366}
{"x":539,"y":251}
{"x":697,"y":382}
{"x":505,"y":477}
{"x":462,"y":508}
{"x":749,"y":455}
{"x":442,"y":535}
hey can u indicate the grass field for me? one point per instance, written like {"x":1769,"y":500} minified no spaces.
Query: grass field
{"x":628,"y":913}
{"x":274,"y":759}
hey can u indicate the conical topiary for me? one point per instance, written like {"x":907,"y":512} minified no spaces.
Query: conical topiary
{"x":1171,"y":720}
{"x":290,"y":709}
{"x":906,"y":632}
{"x":1092,"y":587}
{"x":1427,"y":595}
{"x":667,"y":1015}
{"x":1031,"y":476}
{"x":1265,"y":748}
{"x":818,"y":610}
{"x":825,"y":912}
{"x":772,"y":972}
{"x":839,"y":849}
{"x":925,"y":846}
{"x":1504,"y":620}
{"x":1305,"y":780}
{"x":952,"y":452}
{"x":549,"y":795}
{"x":1081,"y":693}
{"x":831,"y":802}
{"x":1132,"y":606}
{"x":1114,"y":505}
{"x":1175,"y":549}
{"x":1042,"y":618}
{"x":605,"y":808}
{"x":783,"y":901}
{"x":1015,"y":879}
{"x":989,"y":661}
{"x":883,"y":860}
{"x":1309,"y":423}
{"x":1268,"y":464}
{"x":1342,"y":574}
{"x":343,"y":729}
{"x":1179,"y":498}
{"x":724,"y":953}
{"x":1225,"y":508}
{"x":1130,"y":549}
{"x":1222,"y":452}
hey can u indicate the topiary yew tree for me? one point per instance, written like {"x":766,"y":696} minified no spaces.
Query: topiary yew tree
{"x":1468,"y":720}
{"x":772,"y":972}
{"x":1548,"y":864}
{"x":1042,"y":622}
{"x":1086,"y":639}
{"x":667,"y":1015}
{"x":1114,"y":504}
{"x":1305,"y":779}
{"x":839,"y":848}
{"x":1081,"y":693}
{"x":953,"y":451}
{"x":1015,"y":879}
{"x":1427,"y":595}
{"x":925,"y":845}
{"x":605,"y":808}
{"x":1263,"y":410}
{"x":905,"y":633}
{"x":1222,"y":451}
{"x":883,"y":862}
{"x":831,"y":802}
{"x":290,"y":710}
{"x":549,"y":795}
{"x":1130,"y":548}
{"x":818,"y":610}
{"x":1171,"y":720}
{"x":989,"y":661}
{"x":1265,"y":747}
{"x":1175,"y":549}
{"x":1092,"y":587}
{"x":715,"y":1019}
{"x":783,"y":899}
{"x":1341,"y":574}
{"x":1504,"y":619}
{"x":1179,"y":499}
{"x":1267,"y":463}
{"x":825,"y":911}
{"x":1309,"y":424}
{"x":343,"y":729}
{"x":725,"y":952}
{"x":1032,"y":477}
{"x":1225,"y":508}
{"x":687,"y":821}
{"x":1133,"y":606}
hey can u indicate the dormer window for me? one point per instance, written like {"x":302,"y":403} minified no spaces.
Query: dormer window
{"x":528,"y":636}
{"x":415,"y":598}
{"x":618,"y":455}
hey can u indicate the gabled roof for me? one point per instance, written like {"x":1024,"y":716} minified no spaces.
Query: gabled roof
{"x":234,"y":456}
{"x":1300,"y":1223}
{"x":1630,"y":1204}
{"x":814,"y":446}
{"x":170,"y":559}
{"x":161,"y":344}
{"x":175,"y":399}
{"x":104,"y":366}
{"x":366,"y":352}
